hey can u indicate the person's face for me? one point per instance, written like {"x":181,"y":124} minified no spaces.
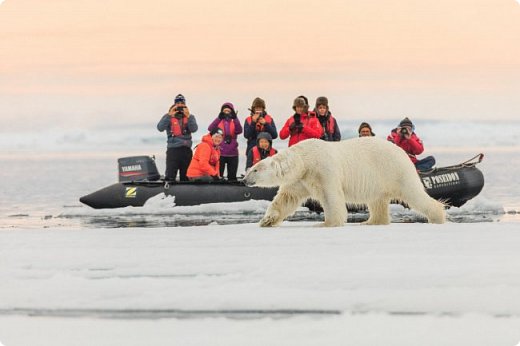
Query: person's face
{"x":365,"y":132}
{"x":226,"y":111}
{"x":263,"y":143}
{"x":299,"y":109}
{"x":322,"y":110}
{"x":217,"y":139}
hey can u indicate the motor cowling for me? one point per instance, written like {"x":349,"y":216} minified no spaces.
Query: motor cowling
{"x":135,"y":168}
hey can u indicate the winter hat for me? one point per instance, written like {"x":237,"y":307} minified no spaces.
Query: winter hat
{"x":180,"y":99}
{"x":322,"y":101}
{"x":264,"y":135}
{"x":306,"y":108}
{"x":299,"y":102}
{"x":406,"y":122}
{"x":305,"y":98}
{"x":258,"y":102}
{"x":363,"y":125}
{"x":227,"y":105}
{"x":216,"y":131}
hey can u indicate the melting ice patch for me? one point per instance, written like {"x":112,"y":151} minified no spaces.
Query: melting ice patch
{"x":160,"y":211}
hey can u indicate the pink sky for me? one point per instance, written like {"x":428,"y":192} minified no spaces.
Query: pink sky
{"x":81,"y":62}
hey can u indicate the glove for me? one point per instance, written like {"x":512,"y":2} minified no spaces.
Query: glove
{"x":227,"y":139}
{"x":292,"y":127}
{"x":297,"y":118}
{"x":222,"y":115}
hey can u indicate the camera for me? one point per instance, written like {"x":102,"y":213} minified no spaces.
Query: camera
{"x":404,"y":131}
{"x":179,"y":112}
{"x":297,"y":119}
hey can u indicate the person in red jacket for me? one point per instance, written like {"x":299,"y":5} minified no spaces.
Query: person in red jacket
{"x":405,"y":137}
{"x":206,"y":161}
{"x":301,"y":125}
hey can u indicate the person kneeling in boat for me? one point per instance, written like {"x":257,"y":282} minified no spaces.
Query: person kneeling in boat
{"x":404,"y":136}
{"x":262,"y":149}
{"x":365,"y":130}
{"x":206,"y":161}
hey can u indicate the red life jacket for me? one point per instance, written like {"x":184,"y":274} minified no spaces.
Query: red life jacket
{"x":256,"y":154}
{"x":231,"y":128}
{"x":178,"y":126}
{"x":330,"y":125}
{"x":260,"y":127}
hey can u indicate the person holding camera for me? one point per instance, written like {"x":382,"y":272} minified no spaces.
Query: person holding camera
{"x":259,"y":121}
{"x":301,"y":125}
{"x":329,"y":125}
{"x":229,"y":124}
{"x":179,"y":124}
{"x":404,"y":136}
{"x":206,"y":160}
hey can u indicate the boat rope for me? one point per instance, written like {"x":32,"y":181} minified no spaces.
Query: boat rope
{"x":470,"y":162}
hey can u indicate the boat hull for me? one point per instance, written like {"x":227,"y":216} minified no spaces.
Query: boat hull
{"x":136,"y":194}
{"x":453,"y":186}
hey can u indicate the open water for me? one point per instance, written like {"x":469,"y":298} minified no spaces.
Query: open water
{"x":43,"y":178}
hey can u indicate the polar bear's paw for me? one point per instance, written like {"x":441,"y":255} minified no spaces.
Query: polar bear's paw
{"x":270,"y":220}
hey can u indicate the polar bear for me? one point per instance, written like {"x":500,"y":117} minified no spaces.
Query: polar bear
{"x":365,"y":170}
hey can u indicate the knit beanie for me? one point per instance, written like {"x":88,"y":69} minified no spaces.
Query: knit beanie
{"x":180,"y":99}
{"x":264,"y":135}
{"x":217,"y":131}
{"x":406,"y":122}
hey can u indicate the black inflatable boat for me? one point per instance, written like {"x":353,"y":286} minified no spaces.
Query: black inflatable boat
{"x":139,"y":180}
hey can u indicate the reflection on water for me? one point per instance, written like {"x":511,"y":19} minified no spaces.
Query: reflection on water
{"x":179,"y":220}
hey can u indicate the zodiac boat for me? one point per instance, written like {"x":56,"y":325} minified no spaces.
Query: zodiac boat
{"x":139,"y":180}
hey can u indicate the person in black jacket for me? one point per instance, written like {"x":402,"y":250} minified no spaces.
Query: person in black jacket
{"x":258,"y":121}
{"x":328,"y":124}
{"x":179,"y":124}
{"x":264,"y":148}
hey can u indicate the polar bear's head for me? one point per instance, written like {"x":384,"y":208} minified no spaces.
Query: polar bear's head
{"x":285,"y":167}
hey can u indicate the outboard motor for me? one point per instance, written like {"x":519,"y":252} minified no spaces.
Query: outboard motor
{"x":134,"y":168}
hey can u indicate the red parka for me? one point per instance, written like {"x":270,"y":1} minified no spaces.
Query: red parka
{"x":311,"y":129}
{"x":206,"y":160}
{"x":412,"y":146}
